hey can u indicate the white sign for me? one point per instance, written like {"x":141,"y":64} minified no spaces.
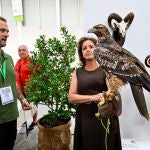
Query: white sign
{"x":17,"y":7}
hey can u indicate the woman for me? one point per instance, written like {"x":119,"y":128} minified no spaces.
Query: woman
{"x":86,"y":89}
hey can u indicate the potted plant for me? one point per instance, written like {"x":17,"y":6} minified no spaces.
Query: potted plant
{"x":49,"y":84}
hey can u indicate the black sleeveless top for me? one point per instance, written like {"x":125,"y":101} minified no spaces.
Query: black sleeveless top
{"x":91,"y":82}
{"x":89,"y":133}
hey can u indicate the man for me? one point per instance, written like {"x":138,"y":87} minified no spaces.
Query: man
{"x":9,"y":92}
{"x":22,"y":77}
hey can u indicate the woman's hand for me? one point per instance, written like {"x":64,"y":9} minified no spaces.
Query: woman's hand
{"x":97,"y":97}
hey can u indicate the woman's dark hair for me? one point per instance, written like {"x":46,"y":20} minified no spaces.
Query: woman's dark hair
{"x":80,"y":43}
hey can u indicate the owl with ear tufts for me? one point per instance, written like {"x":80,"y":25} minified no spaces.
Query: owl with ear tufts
{"x":121,"y":67}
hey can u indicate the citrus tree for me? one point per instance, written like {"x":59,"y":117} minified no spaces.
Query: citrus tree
{"x":51,"y":64}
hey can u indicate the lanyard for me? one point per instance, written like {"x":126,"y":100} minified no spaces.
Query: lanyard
{"x":3,"y":69}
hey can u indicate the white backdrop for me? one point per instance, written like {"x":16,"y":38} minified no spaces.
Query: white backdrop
{"x":138,"y":42}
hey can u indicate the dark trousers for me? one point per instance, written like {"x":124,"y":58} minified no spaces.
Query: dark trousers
{"x":8,"y":132}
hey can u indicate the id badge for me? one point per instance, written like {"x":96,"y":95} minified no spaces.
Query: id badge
{"x":6,"y":94}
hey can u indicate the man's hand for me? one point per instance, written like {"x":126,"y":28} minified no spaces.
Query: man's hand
{"x":26,"y":105}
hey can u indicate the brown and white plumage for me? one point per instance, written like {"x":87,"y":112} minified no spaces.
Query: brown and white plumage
{"x":121,"y":67}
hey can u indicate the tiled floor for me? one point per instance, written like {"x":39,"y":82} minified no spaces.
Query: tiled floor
{"x":24,"y":142}
{"x":30,"y":143}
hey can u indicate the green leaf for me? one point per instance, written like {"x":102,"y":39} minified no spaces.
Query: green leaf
{"x":51,"y":66}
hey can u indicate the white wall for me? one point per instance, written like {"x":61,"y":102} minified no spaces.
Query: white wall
{"x":40,"y":17}
{"x":96,"y":11}
{"x":137,"y":41}
{"x":29,"y":36}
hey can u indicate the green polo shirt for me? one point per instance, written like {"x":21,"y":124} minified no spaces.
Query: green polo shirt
{"x":9,"y":111}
